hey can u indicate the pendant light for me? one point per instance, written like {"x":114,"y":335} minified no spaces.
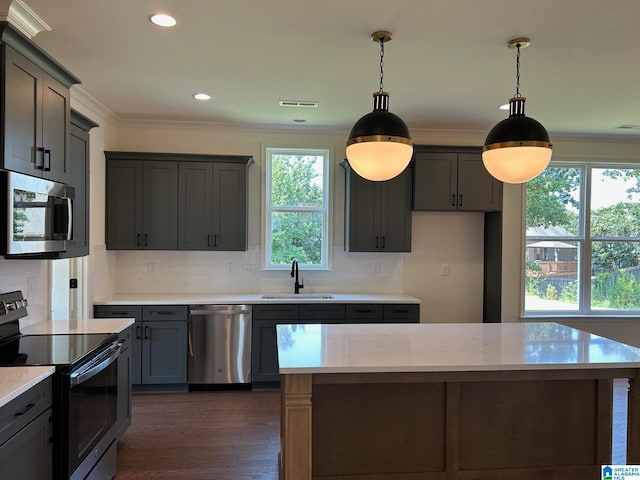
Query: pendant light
{"x":379,"y":146}
{"x":517,"y":149}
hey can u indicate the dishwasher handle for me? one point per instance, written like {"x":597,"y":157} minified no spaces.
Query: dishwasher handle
{"x":219,"y":311}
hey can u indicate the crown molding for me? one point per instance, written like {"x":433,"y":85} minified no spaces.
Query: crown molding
{"x":22,"y":18}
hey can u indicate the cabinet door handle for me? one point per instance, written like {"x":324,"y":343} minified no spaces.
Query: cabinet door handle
{"x":138,"y":332}
{"x":146,"y":239}
{"x":208,"y":240}
{"x":384,"y":242}
{"x":460,"y":200}
{"x":39,"y":160}
{"x":453,"y":200}
{"x":138,"y":240}
{"x":47,"y":160}
{"x":377,"y":244}
{"x":147,"y":332}
{"x":215,"y":240}
{"x":24,"y":410}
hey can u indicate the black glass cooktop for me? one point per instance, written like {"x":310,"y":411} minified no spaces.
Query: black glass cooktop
{"x":59,"y":350}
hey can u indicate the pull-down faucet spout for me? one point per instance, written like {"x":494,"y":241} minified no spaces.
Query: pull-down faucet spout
{"x":294,"y":273}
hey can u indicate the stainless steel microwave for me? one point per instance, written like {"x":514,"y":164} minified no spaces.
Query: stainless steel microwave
{"x":39,"y":215}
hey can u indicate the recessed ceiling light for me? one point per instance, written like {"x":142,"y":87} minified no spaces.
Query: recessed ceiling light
{"x":163,"y":20}
{"x":201,"y":96}
{"x":504,"y":106}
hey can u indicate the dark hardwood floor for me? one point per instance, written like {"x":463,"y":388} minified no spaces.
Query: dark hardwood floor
{"x":217,"y":435}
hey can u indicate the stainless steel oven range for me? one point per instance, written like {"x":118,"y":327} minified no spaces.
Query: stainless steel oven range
{"x":84,"y":390}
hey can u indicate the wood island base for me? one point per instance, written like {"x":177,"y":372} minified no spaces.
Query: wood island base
{"x":524,"y":425}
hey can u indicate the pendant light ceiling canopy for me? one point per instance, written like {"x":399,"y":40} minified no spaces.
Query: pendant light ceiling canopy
{"x":379,"y":146}
{"x":518,"y":148}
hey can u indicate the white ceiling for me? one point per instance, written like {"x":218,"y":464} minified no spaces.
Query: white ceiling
{"x":447,"y":67}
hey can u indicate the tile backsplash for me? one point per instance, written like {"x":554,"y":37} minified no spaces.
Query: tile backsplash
{"x":30,"y":276}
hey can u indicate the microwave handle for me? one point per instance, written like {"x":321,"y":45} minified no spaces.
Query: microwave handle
{"x":70,"y":218}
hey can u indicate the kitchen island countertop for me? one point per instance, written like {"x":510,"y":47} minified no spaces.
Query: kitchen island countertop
{"x":14,"y":381}
{"x":87,"y":325}
{"x":251,"y":298}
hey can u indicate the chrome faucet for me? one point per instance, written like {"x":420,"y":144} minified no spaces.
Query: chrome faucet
{"x":294,"y":273}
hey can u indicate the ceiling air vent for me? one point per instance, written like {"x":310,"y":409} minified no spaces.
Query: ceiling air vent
{"x":630,"y":127}
{"x":298,"y":103}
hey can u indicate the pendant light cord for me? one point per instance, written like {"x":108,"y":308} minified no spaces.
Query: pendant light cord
{"x":518,"y":71}
{"x":381,"y":62}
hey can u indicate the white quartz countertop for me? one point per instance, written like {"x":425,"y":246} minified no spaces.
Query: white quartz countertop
{"x":16,"y":380}
{"x":88,"y":325}
{"x":251,"y":298}
{"x":369,"y":348}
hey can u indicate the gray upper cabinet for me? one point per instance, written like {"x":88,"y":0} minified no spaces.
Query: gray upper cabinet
{"x":454,"y":178}
{"x":212,"y":206}
{"x":171,"y":201}
{"x":79,"y":179}
{"x":142,"y":207}
{"x":377,"y":214}
{"x":36,"y":109}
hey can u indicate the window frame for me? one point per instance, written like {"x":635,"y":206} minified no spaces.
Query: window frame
{"x":324,"y":209}
{"x":584,"y":241}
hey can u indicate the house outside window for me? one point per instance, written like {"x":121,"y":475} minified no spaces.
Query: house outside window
{"x":297,"y":208}
{"x":582,"y":240}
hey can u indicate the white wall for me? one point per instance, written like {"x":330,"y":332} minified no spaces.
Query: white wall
{"x":453,"y":239}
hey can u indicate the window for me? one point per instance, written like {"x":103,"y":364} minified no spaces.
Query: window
{"x":582,"y":248}
{"x":297,"y":211}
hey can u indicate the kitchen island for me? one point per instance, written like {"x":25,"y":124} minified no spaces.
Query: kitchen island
{"x":451,"y":401}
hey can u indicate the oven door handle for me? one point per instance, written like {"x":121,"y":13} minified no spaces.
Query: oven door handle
{"x":103,"y":361}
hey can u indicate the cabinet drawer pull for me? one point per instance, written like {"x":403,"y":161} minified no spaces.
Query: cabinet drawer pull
{"x":397,"y":310}
{"x":24,"y":410}
{"x":121,"y":313}
{"x":164,"y":312}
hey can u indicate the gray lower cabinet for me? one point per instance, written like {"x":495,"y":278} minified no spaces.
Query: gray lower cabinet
{"x":377,"y":214}
{"x":454,"y":178}
{"x":25,"y":435}
{"x":159,"y":341}
{"x":264,"y":351}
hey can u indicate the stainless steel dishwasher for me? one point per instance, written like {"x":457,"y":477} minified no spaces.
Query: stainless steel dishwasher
{"x":219,"y":344}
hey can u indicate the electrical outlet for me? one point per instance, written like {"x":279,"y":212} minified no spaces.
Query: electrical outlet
{"x":151,"y":268}
{"x":444,"y":269}
{"x":248,"y":267}
{"x":375,"y":268}
{"x":228,"y":268}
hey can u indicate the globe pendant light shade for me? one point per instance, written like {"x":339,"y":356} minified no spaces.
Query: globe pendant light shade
{"x":379,"y":146}
{"x":518,"y":148}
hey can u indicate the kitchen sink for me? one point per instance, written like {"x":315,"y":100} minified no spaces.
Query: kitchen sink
{"x":298,"y":296}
